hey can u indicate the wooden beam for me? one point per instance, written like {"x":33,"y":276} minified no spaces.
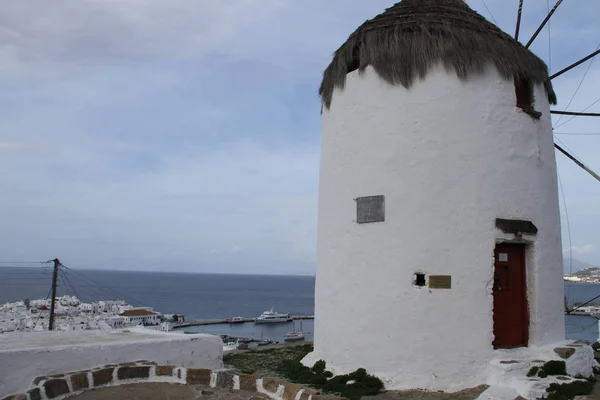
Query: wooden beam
{"x":519,"y":14}
{"x":579,"y":163}
{"x":577,"y":114}
{"x":543,"y":23}
{"x":570,"y":67}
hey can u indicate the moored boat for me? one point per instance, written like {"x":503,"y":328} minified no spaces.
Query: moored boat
{"x":270,"y":317}
{"x":236,"y":320}
{"x":290,"y":336}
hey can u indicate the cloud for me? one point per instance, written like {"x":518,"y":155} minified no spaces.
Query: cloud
{"x":88,"y":32}
{"x":586,"y":249}
{"x":186,"y":133}
{"x":19,"y":147}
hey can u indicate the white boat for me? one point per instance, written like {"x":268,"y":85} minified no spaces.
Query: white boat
{"x":290,"y":336}
{"x":271,"y":317}
{"x":294,"y":336}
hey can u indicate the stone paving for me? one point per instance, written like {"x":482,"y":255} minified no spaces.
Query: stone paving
{"x":166,"y":391}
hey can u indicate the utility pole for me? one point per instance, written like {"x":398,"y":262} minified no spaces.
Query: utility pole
{"x":57,"y":265}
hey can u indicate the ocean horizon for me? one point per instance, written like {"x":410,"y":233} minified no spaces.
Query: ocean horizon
{"x":214,"y":295}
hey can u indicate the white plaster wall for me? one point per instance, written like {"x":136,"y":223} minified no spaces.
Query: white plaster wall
{"x":450,"y":157}
{"x":59,"y":354}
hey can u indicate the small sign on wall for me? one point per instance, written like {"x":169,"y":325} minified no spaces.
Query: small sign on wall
{"x":440,"y":282}
{"x":370,"y":209}
{"x":503,"y":257}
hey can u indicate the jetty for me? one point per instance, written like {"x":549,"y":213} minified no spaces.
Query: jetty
{"x":185,"y":324}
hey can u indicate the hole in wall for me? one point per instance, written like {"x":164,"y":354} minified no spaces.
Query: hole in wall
{"x":420,"y":280}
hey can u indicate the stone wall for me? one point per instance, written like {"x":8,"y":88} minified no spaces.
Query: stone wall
{"x":26,"y":355}
{"x":62,"y":386}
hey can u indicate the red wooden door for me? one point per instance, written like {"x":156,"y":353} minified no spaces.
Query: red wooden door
{"x":511,"y":314}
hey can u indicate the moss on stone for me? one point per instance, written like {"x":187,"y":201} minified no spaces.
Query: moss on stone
{"x":555,"y":367}
{"x":533,"y":371}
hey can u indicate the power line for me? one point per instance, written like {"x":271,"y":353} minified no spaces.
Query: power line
{"x":23,"y":262}
{"x":575,"y":64}
{"x":492,"y":15}
{"x":576,"y":161}
{"x":549,"y":39}
{"x":40,"y":311}
{"x":568,"y":230}
{"x":106,"y":289}
{"x":539,"y":29}
{"x":585,"y":109}
{"x":580,"y":84}
{"x":69,"y":285}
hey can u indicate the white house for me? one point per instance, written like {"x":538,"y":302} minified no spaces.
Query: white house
{"x":438,"y":216}
{"x":140,"y":316}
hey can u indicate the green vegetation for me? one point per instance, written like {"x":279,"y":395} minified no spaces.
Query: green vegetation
{"x":285,"y":363}
{"x":555,"y":368}
{"x":568,"y":391}
{"x":550,"y":368}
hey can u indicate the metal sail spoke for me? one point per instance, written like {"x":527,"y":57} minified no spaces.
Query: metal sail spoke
{"x":570,"y":67}
{"x":544,"y":22}
{"x":578,"y":114}
{"x":576,"y":161}
{"x":519,"y":15}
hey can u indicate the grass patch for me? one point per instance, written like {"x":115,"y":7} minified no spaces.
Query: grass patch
{"x":284,"y":362}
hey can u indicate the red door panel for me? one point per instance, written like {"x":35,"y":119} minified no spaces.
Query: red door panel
{"x":511,"y":314}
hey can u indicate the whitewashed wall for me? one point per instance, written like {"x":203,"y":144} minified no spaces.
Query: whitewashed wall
{"x":26,"y":356}
{"x":450,"y":157}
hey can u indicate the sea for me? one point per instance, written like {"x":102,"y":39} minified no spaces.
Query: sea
{"x":216,"y":296}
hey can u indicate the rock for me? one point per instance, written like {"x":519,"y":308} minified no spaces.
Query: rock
{"x":125,"y":364}
{"x":34,"y":394}
{"x":596,"y":346}
{"x":564,"y":352}
{"x":248,"y":383}
{"x":56,"y":387}
{"x":271,"y":384}
{"x":224,"y":380}
{"x":164,"y":370}
{"x":563,"y":378}
{"x":509,"y":362}
{"x":102,"y":376}
{"x":198,"y":376}
{"x":37,"y":380}
{"x":307,"y":393}
{"x":133,"y":372}
{"x":79,"y":381}
{"x":290,"y":390}
{"x":207,"y":392}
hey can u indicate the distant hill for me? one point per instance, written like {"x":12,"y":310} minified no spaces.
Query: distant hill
{"x":577,"y":265}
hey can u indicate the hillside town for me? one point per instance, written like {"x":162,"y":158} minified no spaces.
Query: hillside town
{"x":71,"y":314}
{"x":587,"y":275}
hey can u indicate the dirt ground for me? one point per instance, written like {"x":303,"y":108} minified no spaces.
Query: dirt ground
{"x":166,"y":391}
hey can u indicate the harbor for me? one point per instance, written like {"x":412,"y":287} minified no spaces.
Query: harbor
{"x":186,"y":324}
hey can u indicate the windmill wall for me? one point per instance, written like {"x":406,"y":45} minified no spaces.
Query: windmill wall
{"x":449,"y":157}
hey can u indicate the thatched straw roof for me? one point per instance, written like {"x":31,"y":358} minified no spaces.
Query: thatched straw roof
{"x":413,"y":35}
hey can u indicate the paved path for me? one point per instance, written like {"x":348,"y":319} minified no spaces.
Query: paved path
{"x":166,"y":391}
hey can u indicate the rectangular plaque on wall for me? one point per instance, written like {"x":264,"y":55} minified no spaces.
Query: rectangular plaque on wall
{"x":370,"y":209}
{"x":440,"y":282}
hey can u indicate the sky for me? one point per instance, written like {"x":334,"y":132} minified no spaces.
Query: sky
{"x":184,"y":135}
